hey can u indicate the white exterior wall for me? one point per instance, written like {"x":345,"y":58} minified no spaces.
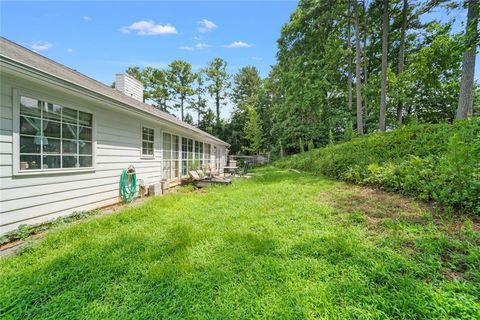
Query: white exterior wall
{"x":29,"y":199}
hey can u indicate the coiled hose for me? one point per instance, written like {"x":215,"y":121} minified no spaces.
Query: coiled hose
{"x":128,"y":184}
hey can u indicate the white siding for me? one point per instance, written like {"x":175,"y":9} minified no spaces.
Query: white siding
{"x":129,"y":86}
{"x":37,"y":198}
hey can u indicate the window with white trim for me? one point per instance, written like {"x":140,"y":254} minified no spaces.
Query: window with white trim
{"x":207,"y":156}
{"x":147,"y":142}
{"x":170,"y":156}
{"x":187,"y":155}
{"x":52,"y":136}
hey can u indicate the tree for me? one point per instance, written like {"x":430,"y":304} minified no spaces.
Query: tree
{"x":465,"y":101}
{"x":207,"y":123}
{"x":365,"y":60}
{"x":198,"y":103}
{"x":181,"y":78}
{"x":253,"y":131}
{"x":157,"y":87}
{"x":358,"y":77}
{"x":383,"y":88}
{"x":188,"y":119}
{"x":349,"y":66}
{"x":401,"y":54}
{"x":246,"y":91}
{"x":217,"y":76}
{"x":135,"y":72}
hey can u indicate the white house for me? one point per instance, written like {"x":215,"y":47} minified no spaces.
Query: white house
{"x":65,"y":139}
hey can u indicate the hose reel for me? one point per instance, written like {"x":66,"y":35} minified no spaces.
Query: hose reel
{"x":128,"y":184}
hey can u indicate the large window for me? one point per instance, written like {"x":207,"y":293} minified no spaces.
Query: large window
{"x":175,"y":156}
{"x":147,"y":142}
{"x":187,"y":155}
{"x":207,"y":156}
{"x":53,"y":136}
{"x":198,"y":161}
{"x":167,"y":156}
{"x":170,"y":156}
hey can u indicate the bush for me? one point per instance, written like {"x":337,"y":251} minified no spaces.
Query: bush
{"x":439,"y":162}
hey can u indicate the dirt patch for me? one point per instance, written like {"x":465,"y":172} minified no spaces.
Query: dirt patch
{"x":375,"y":204}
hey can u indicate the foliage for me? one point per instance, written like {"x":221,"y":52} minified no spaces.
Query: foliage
{"x":431,"y":162}
{"x":217,"y":83}
{"x":291,"y":246}
{"x":198,"y":103}
{"x":253,"y":131}
{"x":25,"y":231}
{"x":181,"y":78}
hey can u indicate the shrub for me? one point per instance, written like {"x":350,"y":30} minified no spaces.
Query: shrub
{"x":438,"y":162}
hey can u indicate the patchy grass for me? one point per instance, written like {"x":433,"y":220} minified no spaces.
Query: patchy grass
{"x":279,"y":245}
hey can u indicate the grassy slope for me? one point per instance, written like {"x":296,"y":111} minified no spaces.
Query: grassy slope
{"x":281,"y":245}
{"x":438,"y":162}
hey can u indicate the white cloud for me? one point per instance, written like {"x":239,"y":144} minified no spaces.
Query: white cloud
{"x":69,"y":50}
{"x":205,"y":25}
{"x":238,"y":44}
{"x":198,"y":46}
{"x":41,"y":45}
{"x":257,"y":58}
{"x":149,"y":28}
{"x":87,"y":18}
{"x":201,"y":46}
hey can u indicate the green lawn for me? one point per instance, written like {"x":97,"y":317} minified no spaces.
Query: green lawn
{"x":280,"y":245}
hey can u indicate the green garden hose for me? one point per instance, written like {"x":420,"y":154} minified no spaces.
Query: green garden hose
{"x":128,"y":184}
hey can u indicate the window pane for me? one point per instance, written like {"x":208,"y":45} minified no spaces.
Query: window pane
{"x":29,"y":125}
{"x":29,"y":162}
{"x":51,"y":129}
{"x":51,"y":145}
{"x":69,"y":161}
{"x":69,"y":115}
{"x":69,"y":131}
{"x":50,"y":162}
{"x":85,"y":147}
{"x":175,"y":169}
{"x":30,"y":144}
{"x":69,"y":146}
{"x":85,"y":133}
{"x":85,"y":119}
{"x":85,"y":161}
{"x":30,"y":106}
{"x":147,"y":148}
{"x":52,"y":111}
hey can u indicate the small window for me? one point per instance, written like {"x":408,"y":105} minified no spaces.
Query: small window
{"x":53,"y":136}
{"x":147,"y":142}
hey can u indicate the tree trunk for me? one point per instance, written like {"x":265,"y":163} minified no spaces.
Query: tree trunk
{"x":349,"y":80}
{"x":181,"y":107}
{"x":217,"y":104}
{"x":383,"y":89}
{"x":198,"y":116}
{"x":401,"y":54}
{"x":365,"y":63}
{"x":358,"y":76}
{"x":465,"y":101}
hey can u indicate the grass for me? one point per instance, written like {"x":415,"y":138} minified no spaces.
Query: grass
{"x":279,"y":245}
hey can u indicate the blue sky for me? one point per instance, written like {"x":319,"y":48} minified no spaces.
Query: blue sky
{"x":102,"y":38}
{"x":106,"y":37}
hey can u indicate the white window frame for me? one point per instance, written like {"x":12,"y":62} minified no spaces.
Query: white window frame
{"x":171,"y":158}
{"x":147,"y":156}
{"x":16,"y":94}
